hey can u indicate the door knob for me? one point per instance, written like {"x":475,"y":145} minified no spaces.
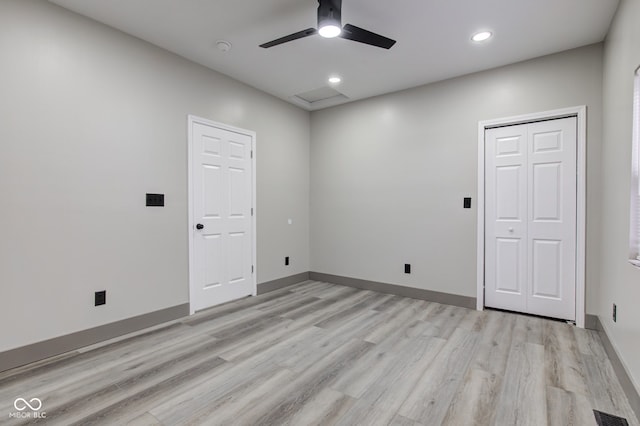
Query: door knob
{"x":510,"y":229}
{"x":199,"y":226}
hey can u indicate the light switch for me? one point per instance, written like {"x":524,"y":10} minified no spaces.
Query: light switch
{"x":155,"y":200}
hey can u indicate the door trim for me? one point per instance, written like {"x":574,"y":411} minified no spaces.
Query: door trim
{"x":580,"y":112}
{"x":191,"y":120}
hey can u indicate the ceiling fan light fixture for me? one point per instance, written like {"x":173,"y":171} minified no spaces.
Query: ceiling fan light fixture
{"x":329,"y":30}
{"x":334,"y":80}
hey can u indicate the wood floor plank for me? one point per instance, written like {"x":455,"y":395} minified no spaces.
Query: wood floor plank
{"x":300,"y":285}
{"x":434,"y":313}
{"x":318,"y":349}
{"x":390,"y":303}
{"x":322,"y":311}
{"x":473,"y":319}
{"x":495,"y":338}
{"x":286,"y":331}
{"x":397,"y":319}
{"x":373,"y":365}
{"x":283,"y":404}
{"x":225,"y":409}
{"x":528,"y":329}
{"x":297,"y":312}
{"x":235,"y":378}
{"x":398,"y":420}
{"x":108,"y":368}
{"x":145,"y":419}
{"x":384,"y":397}
{"x":108,"y":403}
{"x":286,"y":306}
{"x":133,"y":400}
{"x":287,"y":299}
{"x":589,"y":343}
{"x":389,"y":392}
{"x":475,"y":401}
{"x":337,"y":292}
{"x":237,"y":349}
{"x":609,"y":398}
{"x":111,"y":373}
{"x":568,"y":409}
{"x":424,"y":309}
{"x":235,"y":306}
{"x":215,"y":323}
{"x":444,"y":319}
{"x":247,"y":327}
{"x":233,"y":344}
{"x":84,"y":363}
{"x":563,"y":363}
{"x":353,"y":311}
{"x":315,"y":288}
{"x":325,"y":408}
{"x":523,"y":398}
{"x":92,"y":404}
{"x":288,"y":351}
{"x":430,"y":400}
{"x":454,"y":315}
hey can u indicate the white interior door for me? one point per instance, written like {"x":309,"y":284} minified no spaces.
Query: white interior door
{"x":530,"y":218}
{"x":221,"y":170}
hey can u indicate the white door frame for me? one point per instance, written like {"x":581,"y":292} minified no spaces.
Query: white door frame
{"x":191,"y":120}
{"x":581,"y":113}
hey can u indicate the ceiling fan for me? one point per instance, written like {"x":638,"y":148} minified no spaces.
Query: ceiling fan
{"x":329,"y":26}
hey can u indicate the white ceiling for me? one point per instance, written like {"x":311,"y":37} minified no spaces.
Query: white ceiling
{"x":433,"y":38}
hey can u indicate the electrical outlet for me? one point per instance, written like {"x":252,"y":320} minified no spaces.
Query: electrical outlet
{"x":286,"y":261}
{"x":466,"y":203}
{"x":615,"y":313}
{"x":101,"y":298}
{"x":407,"y":268}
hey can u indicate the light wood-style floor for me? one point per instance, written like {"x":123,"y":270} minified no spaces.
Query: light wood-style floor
{"x":322,"y":354}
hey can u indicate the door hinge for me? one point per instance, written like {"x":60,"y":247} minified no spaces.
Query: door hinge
{"x":251,"y":153}
{"x":252,"y":269}
{"x":251,"y":211}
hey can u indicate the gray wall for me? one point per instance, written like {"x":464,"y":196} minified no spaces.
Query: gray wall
{"x":388,"y":174}
{"x":91,"y":120}
{"x":620,"y":280}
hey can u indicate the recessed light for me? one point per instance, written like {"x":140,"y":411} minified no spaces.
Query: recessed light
{"x":481,"y":36}
{"x":334,"y":80}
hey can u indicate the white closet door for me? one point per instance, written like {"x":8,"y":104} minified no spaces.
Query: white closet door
{"x":506,"y":218}
{"x":530,"y":229}
{"x":551,"y":237}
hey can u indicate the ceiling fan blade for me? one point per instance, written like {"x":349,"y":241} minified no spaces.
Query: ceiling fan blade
{"x":351,"y":32}
{"x":290,"y":37}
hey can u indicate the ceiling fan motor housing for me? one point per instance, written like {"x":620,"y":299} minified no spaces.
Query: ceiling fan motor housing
{"x":329,"y":13}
